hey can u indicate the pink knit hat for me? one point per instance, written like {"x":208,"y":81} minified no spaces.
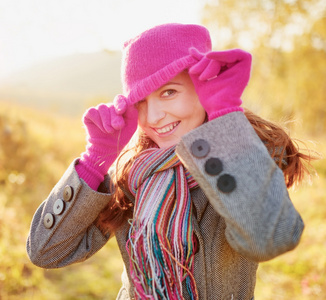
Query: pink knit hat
{"x":157,"y":55}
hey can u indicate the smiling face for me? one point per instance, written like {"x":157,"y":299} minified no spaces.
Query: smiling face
{"x":171,"y":111}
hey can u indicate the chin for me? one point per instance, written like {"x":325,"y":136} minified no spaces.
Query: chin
{"x":167,"y":144}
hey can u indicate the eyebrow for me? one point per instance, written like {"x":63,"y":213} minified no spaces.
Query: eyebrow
{"x":170,"y":82}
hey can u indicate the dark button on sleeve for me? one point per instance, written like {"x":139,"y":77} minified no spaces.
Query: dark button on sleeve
{"x":226,"y":183}
{"x":58,"y":207}
{"x":200,"y":148}
{"x":213,"y":166}
{"x":68,"y":193}
{"x":48,"y":220}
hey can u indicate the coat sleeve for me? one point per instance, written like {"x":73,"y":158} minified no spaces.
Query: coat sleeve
{"x":244,"y":185}
{"x":62,"y":230}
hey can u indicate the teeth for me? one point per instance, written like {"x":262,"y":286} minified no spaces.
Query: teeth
{"x":167,"y":128}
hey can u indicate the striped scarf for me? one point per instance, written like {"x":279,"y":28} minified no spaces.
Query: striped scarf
{"x":161,"y":240}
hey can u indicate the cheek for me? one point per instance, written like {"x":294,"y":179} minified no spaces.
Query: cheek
{"x":200,"y":109}
{"x":192,"y":109}
{"x":142,"y":122}
{"x":196,"y":114}
{"x":142,"y":115}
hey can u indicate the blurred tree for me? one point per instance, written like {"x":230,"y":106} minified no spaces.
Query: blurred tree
{"x":288,"y":41}
{"x":309,"y":75}
{"x":32,"y":155}
{"x":16,"y":153}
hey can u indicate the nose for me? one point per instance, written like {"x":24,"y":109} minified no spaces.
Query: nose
{"x":155,"y":111}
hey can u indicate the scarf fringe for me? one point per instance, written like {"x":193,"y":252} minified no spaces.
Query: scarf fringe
{"x":161,"y":239}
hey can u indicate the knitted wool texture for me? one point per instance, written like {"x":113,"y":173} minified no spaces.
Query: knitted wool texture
{"x":157,"y":55}
{"x":161,"y":243}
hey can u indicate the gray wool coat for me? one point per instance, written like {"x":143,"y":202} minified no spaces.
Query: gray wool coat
{"x":243,"y":214}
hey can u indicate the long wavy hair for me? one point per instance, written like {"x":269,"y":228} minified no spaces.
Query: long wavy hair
{"x":278,"y":142}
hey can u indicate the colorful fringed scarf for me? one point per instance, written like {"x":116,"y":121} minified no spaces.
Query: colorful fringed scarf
{"x":161,"y":238}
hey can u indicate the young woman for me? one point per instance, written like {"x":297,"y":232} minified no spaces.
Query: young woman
{"x":198,"y":197}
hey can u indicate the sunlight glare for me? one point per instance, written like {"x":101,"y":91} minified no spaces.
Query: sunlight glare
{"x":36,"y":30}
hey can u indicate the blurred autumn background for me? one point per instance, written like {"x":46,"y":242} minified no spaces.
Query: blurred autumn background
{"x":44,"y":94}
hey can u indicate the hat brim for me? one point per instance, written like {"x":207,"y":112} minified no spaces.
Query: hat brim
{"x":146,"y":86}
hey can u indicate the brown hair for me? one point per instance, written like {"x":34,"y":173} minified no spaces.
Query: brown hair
{"x":284,"y":150}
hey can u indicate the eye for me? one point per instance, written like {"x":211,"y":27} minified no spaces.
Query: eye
{"x":168,"y":93}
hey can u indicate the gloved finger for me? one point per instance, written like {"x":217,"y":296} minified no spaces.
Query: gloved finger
{"x":106,"y":120}
{"x":92,"y":118}
{"x":117,"y":121}
{"x":236,"y":63}
{"x":120,"y":104}
{"x":199,"y":67}
{"x":212,"y":70}
{"x":195,"y":53}
{"x":230,"y":56}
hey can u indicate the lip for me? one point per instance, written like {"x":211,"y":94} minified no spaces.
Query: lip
{"x":166,"y":129}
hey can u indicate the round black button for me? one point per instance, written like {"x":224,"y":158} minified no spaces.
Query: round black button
{"x":58,"y":207}
{"x":213,"y":166}
{"x":200,"y":148}
{"x":68,"y":192}
{"x":48,"y":220}
{"x":226,"y":183}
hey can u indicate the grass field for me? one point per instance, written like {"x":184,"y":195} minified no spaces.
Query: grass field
{"x":37,"y":147}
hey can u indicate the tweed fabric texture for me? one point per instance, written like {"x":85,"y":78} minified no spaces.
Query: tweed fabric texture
{"x":255,"y":222}
{"x":67,"y":241}
{"x":260,"y":189}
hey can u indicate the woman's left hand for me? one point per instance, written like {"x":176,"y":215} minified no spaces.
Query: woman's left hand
{"x":220,"y":78}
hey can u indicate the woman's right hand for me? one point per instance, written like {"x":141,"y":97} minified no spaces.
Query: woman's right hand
{"x":109,"y":128}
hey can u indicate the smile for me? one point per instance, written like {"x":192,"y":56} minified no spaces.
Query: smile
{"x":166,"y":129}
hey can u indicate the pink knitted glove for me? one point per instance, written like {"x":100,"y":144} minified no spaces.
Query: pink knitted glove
{"x":220,"y":78}
{"x":109,"y":128}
